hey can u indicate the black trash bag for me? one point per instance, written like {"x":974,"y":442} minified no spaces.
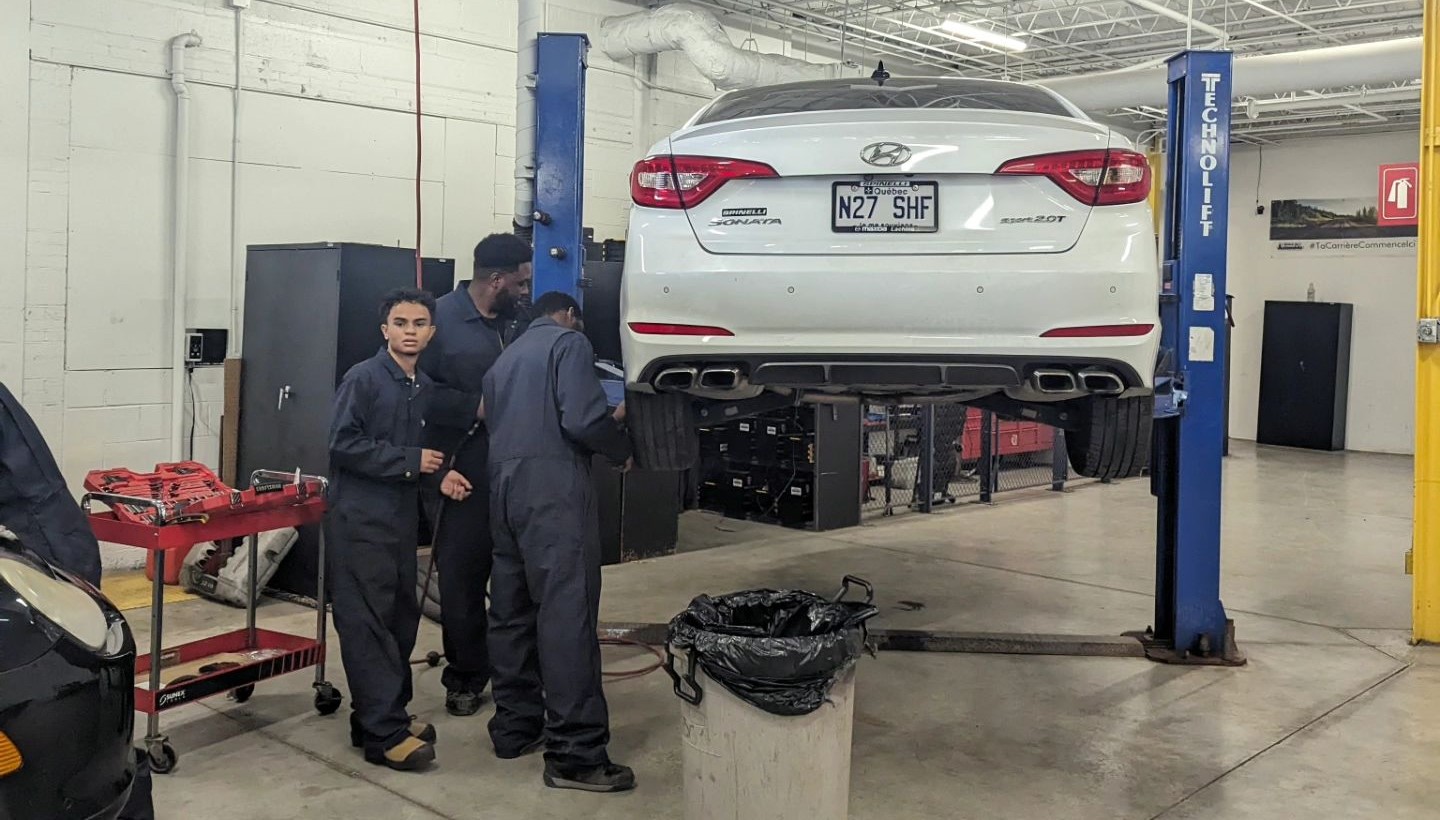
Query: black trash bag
{"x":778,"y":650}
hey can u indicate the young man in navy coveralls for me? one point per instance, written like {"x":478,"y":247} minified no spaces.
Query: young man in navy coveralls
{"x":548,"y":417}
{"x":474,"y":324}
{"x":377,"y":463}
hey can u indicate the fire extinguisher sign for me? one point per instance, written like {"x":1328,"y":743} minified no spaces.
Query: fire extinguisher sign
{"x":1399,"y":195}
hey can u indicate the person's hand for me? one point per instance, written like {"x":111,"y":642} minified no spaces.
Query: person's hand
{"x":629,"y":465}
{"x":480,"y":411}
{"x":431,"y":461}
{"x":619,"y":414}
{"x":455,"y":486}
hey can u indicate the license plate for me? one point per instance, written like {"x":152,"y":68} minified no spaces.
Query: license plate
{"x":878,"y":205}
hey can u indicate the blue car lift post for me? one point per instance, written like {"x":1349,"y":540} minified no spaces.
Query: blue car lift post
{"x":559,"y":234}
{"x":1190,"y":622}
{"x":1189,"y":440}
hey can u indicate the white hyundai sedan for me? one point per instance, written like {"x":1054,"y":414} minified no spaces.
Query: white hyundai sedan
{"x":925,"y":239}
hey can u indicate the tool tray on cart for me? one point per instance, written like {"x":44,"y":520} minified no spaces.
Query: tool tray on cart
{"x":183,"y":504}
{"x":188,"y":491}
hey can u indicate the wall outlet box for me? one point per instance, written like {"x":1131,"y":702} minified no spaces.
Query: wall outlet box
{"x":239,"y":4}
{"x":206,"y":346}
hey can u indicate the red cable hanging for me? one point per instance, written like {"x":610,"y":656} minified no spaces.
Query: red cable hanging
{"x":419,"y":154}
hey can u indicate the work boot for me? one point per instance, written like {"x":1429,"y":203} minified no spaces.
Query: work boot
{"x":612,"y":777}
{"x":463,"y":703}
{"x":418,"y":729}
{"x":408,"y":755}
{"x":528,"y":749}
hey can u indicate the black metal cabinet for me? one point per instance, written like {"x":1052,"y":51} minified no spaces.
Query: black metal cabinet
{"x":311,"y":313}
{"x":1305,"y":375}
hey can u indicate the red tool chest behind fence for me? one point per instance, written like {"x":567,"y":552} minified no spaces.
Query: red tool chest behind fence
{"x":190,"y":492}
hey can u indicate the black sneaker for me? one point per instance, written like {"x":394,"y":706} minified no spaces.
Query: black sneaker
{"x":612,"y":777}
{"x":463,"y":704}
{"x":528,"y":749}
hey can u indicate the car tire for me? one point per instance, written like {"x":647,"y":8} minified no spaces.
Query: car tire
{"x":1112,"y":437}
{"x":662,"y":430}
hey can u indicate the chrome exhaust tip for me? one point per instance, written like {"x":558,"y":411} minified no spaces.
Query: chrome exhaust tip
{"x":720,"y":378}
{"x":675,"y":378}
{"x":1102,"y":382}
{"x":1054,"y":381}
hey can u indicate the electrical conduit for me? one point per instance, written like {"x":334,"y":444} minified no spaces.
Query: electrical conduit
{"x":180,"y":203}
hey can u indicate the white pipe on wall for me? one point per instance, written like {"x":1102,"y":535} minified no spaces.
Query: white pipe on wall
{"x":237,"y":261}
{"x":180,"y":206}
{"x":699,"y":35}
{"x":531,"y":21}
{"x":1332,"y":67}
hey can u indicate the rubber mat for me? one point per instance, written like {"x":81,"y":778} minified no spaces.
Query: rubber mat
{"x":132,"y":590}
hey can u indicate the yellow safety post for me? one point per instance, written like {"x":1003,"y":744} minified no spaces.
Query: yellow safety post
{"x":1425,"y":542}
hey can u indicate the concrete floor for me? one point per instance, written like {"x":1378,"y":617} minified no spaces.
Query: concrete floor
{"x":1331,"y":718}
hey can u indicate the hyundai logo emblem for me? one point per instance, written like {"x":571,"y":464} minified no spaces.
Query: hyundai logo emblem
{"x":885,"y":154}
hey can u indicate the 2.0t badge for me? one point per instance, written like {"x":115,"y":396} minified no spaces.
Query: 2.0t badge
{"x":1043,"y":219}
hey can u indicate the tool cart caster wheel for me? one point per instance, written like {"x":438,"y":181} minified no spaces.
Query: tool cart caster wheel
{"x":163,"y":758}
{"x":327,"y":699}
{"x":242,"y":693}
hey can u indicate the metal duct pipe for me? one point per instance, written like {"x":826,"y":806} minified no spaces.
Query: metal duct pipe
{"x":1334,"y":67}
{"x":700,"y":36}
{"x":1254,"y":108}
{"x":531,"y":20}
{"x":179,"y":237}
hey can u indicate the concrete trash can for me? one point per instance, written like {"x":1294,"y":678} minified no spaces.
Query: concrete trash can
{"x":741,"y":763}
{"x":768,"y":683}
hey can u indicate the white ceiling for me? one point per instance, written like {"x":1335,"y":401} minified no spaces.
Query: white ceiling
{"x":1084,"y":36}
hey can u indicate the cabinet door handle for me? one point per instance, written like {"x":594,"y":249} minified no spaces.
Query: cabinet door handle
{"x":284,"y":394}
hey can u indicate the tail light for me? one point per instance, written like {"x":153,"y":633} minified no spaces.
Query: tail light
{"x":1097,"y":331}
{"x":668,"y":329}
{"x":684,"y":182}
{"x":1093,"y":177}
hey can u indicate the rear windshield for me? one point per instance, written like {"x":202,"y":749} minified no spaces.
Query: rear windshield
{"x":856,"y":95}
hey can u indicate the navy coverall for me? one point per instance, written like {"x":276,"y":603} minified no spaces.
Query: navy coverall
{"x":375,"y":496}
{"x":548,"y":415}
{"x":466,"y":344}
{"x":35,"y":503}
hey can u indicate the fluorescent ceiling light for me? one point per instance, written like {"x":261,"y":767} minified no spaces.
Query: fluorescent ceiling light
{"x":980,"y":35}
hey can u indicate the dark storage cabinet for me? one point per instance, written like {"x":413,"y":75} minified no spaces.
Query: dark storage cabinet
{"x":1305,"y":375}
{"x":798,"y":467}
{"x":311,"y":313}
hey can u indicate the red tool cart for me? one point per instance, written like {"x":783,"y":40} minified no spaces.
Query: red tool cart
{"x":174,"y":508}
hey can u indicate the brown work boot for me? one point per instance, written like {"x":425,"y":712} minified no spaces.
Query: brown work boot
{"x":422,"y":730}
{"x":418,"y":728}
{"x":408,"y":755}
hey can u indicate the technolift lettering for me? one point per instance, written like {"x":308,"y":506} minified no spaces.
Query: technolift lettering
{"x":1209,"y":151}
{"x":1202,"y":287}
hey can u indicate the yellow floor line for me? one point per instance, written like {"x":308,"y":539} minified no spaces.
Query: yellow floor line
{"x":132,"y":590}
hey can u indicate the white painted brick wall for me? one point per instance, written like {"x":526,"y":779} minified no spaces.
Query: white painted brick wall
{"x":326,"y":155}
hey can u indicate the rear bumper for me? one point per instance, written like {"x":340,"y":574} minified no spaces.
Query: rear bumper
{"x":894,"y":373}
{"x":982,"y":319}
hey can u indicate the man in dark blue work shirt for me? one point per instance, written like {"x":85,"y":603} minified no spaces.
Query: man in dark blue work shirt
{"x":548,"y":416}
{"x":377,"y":462}
{"x":475,"y":323}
